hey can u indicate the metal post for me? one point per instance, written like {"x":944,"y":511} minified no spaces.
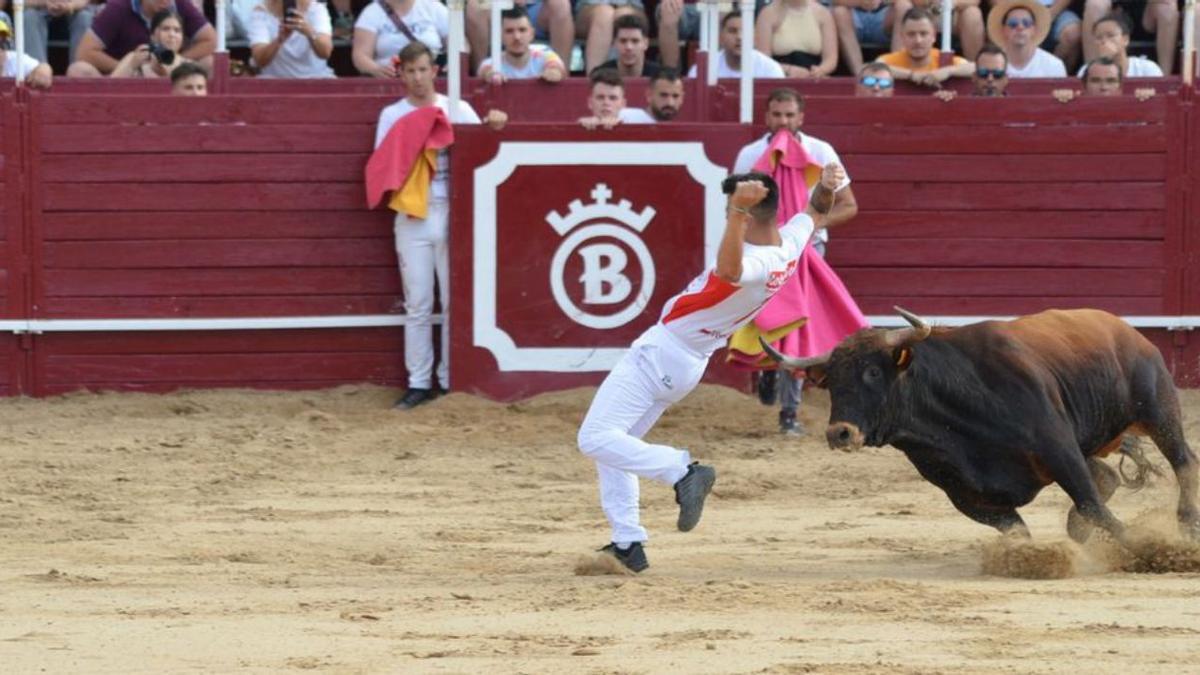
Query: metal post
{"x":712,"y":15}
{"x":746,"y":115}
{"x":457,"y":39}
{"x":495,"y":34}
{"x":222,"y":26}
{"x":1189,"y":41}
{"x":19,"y":31}
{"x":947,"y":15}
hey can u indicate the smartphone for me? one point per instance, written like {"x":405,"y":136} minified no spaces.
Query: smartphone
{"x":289,"y":7}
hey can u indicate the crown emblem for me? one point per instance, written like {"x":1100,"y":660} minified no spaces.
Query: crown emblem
{"x":621,"y":212}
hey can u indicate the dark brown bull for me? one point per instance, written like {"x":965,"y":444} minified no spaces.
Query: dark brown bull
{"x":993,"y":412}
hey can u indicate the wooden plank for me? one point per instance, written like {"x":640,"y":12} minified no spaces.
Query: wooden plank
{"x":139,"y":110}
{"x":948,"y":139}
{"x":201,"y":196}
{"x":57,"y":389}
{"x":1005,"y":305}
{"x":100,"y":225}
{"x":203,"y":167}
{"x":1017,"y":224}
{"x":171,"y":307}
{"x":259,"y":368}
{"x":315,"y":138}
{"x":308,"y":341}
{"x":260,"y":281}
{"x":975,"y":253}
{"x":901,"y":282}
{"x":1133,"y":196}
{"x":219,"y":253}
{"x":1033,"y":168}
{"x":967,"y":111}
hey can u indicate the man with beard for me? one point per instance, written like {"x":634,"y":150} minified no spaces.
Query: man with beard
{"x":664,"y":98}
{"x":990,"y":77}
{"x":920,"y":62}
{"x":520,"y":59}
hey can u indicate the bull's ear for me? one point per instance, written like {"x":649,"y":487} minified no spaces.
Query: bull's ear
{"x":816,"y":375}
{"x":902,"y":357}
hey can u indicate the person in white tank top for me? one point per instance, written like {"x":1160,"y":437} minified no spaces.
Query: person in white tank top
{"x":662,"y":366}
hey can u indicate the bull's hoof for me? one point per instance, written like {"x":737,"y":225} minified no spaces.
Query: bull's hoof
{"x":1078,"y":527}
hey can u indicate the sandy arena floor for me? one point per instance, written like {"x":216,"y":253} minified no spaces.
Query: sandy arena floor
{"x":277,"y":532}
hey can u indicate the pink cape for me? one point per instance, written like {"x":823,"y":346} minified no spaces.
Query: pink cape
{"x":388,"y":167}
{"x":814,"y":291}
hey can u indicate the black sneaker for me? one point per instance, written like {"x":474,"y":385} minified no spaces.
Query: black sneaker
{"x":768,"y":386}
{"x":414,"y":397}
{"x":690,"y":492}
{"x":633,"y":557}
{"x":788,"y":425}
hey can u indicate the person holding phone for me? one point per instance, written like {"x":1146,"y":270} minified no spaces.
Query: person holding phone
{"x":161,"y":55}
{"x":291,"y":39}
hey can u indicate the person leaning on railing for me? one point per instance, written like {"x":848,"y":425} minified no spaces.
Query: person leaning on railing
{"x":1102,"y":76}
{"x":294,"y":46}
{"x":37,"y":75}
{"x":189,"y":79}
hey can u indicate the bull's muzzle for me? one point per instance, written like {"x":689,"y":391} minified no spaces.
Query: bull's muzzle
{"x":844,"y":436}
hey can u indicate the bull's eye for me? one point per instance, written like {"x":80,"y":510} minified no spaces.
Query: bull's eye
{"x":872,"y":374}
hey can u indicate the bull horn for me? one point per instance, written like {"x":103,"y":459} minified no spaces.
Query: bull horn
{"x":898,"y":336}
{"x":791,"y":362}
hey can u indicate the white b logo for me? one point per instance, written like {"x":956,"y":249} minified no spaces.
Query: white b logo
{"x":604,"y":264}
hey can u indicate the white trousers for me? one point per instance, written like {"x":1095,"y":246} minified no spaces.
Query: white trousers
{"x":656,"y":372}
{"x":423,"y":249}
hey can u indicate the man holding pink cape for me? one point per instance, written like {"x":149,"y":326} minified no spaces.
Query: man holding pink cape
{"x":815,"y":293}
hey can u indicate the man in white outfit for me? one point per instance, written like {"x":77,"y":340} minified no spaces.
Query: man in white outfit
{"x":421,"y":245}
{"x":666,"y":362}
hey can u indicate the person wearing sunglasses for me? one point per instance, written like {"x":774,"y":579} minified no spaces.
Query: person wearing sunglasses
{"x":990,"y":78}
{"x":1019,"y":27}
{"x":875,"y":80}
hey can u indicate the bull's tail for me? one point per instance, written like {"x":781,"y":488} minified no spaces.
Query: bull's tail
{"x":1131,"y":448}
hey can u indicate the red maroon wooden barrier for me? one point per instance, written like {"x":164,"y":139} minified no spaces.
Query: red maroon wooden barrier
{"x":251,"y":204}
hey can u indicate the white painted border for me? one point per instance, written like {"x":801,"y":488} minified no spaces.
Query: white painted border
{"x":486,"y":332}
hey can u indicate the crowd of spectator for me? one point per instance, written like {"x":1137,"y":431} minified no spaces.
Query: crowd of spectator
{"x":555,"y":39}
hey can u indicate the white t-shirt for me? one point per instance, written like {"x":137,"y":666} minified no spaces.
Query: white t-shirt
{"x":710,"y":309}
{"x":428,"y":20}
{"x":818,"y":150}
{"x":296,"y":57}
{"x":636,"y":116}
{"x":1139,"y":66}
{"x":764,"y":67}
{"x":465,"y":114}
{"x":10,"y":64}
{"x":1043,"y":64}
{"x":539,"y":57}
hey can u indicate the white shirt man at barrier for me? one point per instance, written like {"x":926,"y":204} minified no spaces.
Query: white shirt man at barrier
{"x":754,"y":260}
{"x":729,"y":60}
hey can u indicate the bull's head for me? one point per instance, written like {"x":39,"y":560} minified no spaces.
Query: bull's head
{"x":858,"y":374}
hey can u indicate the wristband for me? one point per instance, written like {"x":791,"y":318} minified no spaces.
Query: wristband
{"x":740,"y":210}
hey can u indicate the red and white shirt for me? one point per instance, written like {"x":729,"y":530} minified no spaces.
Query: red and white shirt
{"x":710,"y":309}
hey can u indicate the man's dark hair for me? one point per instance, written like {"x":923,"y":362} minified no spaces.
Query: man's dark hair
{"x":188,"y":69}
{"x":729,"y":17}
{"x":764,"y":211}
{"x":608,"y":76}
{"x":1103,"y":61}
{"x":990,"y":48}
{"x":666,"y":75}
{"x":628,"y":21}
{"x":874,"y":67}
{"x":1119,"y":19}
{"x":516,"y":12}
{"x":918,"y":14}
{"x":786,"y":94}
{"x":413,"y":51}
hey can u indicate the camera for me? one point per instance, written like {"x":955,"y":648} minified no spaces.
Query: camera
{"x":165,"y":56}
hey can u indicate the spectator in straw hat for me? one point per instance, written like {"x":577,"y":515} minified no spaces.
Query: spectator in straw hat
{"x":37,"y":75}
{"x":1019,"y":27}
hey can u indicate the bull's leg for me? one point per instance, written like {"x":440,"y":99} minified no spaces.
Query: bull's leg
{"x":1160,"y":405}
{"x":1003,"y":518}
{"x":1068,"y":468}
{"x":1107,"y":481}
